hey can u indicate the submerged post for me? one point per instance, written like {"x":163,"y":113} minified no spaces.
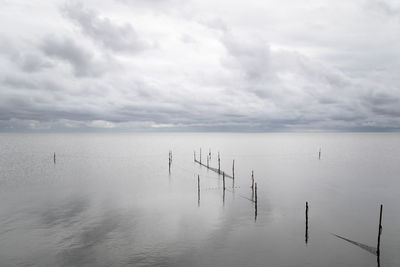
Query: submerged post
{"x":306,"y":222}
{"x":233,"y":169}
{"x":378,"y":247}
{"x":223,"y":180}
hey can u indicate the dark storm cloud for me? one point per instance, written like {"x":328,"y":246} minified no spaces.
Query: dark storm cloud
{"x":103,"y":30}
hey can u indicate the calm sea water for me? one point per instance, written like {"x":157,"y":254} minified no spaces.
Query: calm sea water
{"x":110,"y":201}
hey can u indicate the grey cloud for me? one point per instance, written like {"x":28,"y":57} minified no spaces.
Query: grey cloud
{"x":102,"y":29}
{"x":68,"y":50}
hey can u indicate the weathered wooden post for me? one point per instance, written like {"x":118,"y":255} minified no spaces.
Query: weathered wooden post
{"x":223,"y":180}
{"x":255,"y":200}
{"x":306,"y":222}
{"x":219,"y":164}
{"x":233,"y":169}
{"x":54,"y":158}
{"x":378,"y":247}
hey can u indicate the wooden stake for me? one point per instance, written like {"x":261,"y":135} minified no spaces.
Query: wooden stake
{"x":255,"y":191}
{"x":233,"y":169}
{"x":306,"y":222}
{"x":223,"y":180}
{"x":169,"y":164}
{"x":255,"y":203}
{"x":378,"y":247}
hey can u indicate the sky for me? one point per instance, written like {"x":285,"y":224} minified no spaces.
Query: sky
{"x":199,"y":65}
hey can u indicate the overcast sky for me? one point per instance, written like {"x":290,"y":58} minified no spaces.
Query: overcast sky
{"x":200,"y":65}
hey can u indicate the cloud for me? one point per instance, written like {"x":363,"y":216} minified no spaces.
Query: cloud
{"x":66,"y":49}
{"x":307,"y":67}
{"x":119,"y":38}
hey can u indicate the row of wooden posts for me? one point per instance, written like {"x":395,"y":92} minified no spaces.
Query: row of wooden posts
{"x":254,"y":190}
{"x":219,"y":171}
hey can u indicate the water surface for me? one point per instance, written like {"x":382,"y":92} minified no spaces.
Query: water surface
{"x":110,"y":201}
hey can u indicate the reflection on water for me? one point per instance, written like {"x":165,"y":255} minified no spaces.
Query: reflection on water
{"x":110,"y":200}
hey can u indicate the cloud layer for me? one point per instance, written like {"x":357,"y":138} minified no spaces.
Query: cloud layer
{"x":199,"y":65}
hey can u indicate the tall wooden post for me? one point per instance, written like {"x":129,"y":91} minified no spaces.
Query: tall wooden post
{"x":378,"y":247}
{"x":306,"y":222}
{"x":255,"y":202}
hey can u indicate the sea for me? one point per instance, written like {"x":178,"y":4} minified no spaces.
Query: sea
{"x":114,"y":199}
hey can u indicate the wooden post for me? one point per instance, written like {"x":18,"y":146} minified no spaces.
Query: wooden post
{"x":306,"y":222}
{"x":233,"y":169}
{"x":209,"y":153}
{"x":219,"y":164}
{"x":223,"y":180}
{"x":200,"y":156}
{"x":255,"y":191}
{"x":169,"y":164}
{"x":378,"y":247}
{"x":319,"y":153}
{"x":255,"y":202}
{"x":54,"y":158}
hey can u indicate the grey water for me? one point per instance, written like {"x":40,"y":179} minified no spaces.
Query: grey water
{"x":109,"y":199}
